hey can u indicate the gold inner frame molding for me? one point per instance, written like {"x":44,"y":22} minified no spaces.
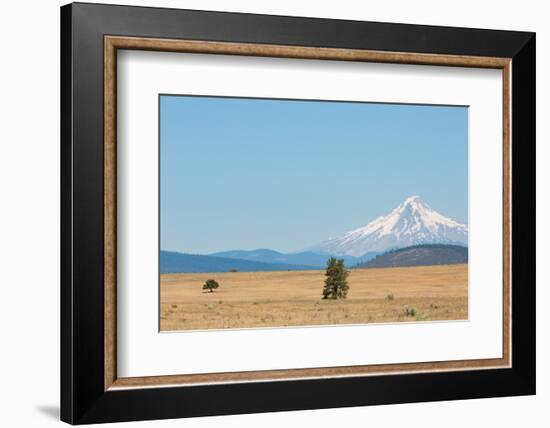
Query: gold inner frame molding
{"x":113,"y":43}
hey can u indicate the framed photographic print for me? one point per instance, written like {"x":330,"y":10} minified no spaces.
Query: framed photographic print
{"x":282,"y":213}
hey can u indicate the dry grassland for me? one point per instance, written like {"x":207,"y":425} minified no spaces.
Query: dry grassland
{"x":293,"y":298}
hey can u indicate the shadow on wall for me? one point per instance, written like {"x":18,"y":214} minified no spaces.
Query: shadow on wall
{"x":50,"y":411}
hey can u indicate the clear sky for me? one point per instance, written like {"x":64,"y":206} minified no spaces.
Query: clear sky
{"x":285,"y":175}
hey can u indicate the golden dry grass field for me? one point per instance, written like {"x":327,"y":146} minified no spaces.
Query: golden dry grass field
{"x":293,"y":298}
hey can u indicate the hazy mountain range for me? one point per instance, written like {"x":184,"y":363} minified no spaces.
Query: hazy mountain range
{"x":309,"y":258}
{"x":411,"y":223}
{"x":172,"y":262}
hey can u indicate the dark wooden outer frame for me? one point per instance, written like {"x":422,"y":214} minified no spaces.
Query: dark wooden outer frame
{"x":86,"y":374}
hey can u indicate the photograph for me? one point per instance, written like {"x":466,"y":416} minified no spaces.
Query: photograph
{"x":285,"y":212}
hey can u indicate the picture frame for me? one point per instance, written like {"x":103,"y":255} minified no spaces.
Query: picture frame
{"x":91,"y":36}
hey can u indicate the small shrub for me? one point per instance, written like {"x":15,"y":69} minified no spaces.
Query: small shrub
{"x":211,"y":285}
{"x":409,"y":311}
{"x":233,"y":270}
{"x":390,"y":296}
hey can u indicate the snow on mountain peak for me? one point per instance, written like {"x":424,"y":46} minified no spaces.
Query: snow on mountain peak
{"x":412,"y":222}
{"x":414,"y":198}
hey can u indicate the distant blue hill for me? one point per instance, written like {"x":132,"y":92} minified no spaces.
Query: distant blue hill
{"x":172,"y":262}
{"x":308,"y":258}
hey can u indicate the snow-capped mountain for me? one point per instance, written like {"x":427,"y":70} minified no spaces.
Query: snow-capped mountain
{"x":413,"y":222}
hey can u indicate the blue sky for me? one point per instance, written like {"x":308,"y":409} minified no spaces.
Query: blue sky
{"x":256,"y":173}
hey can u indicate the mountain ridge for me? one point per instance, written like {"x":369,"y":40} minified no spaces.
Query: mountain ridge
{"x":308,"y":258}
{"x":175,"y":262}
{"x":419,"y":255}
{"x":412,"y":222}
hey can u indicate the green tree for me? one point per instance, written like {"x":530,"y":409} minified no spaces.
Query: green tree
{"x":211,"y":285}
{"x":336,"y":284}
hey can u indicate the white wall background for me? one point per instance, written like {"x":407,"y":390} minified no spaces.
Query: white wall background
{"x":29,"y":214}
